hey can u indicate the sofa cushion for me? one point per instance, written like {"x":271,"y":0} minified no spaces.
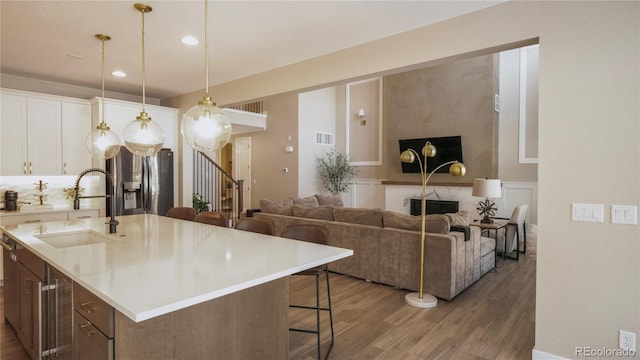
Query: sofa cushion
{"x":309,"y":201}
{"x":434,"y":223}
{"x":372,"y":217}
{"x":319,"y":212}
{"x":460,"y":218}
{"x":335,"y":200}
{"x":280,"y":207}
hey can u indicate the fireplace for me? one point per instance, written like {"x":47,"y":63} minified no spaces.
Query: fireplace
{"x":434,"y":206}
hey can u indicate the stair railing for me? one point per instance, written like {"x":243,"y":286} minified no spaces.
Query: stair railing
{"x":217,"y":187}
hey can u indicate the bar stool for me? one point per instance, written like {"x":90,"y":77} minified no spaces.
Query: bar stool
{"x":212,"y":218}
{"x":316,"y":234}
{"x":261,"y":226}
{"x":184,"y":213}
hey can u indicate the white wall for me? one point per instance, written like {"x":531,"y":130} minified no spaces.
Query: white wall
{"x":316,"y":113}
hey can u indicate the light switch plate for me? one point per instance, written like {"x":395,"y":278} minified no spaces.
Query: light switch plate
{"x":624,"y":214}
{"x":587,"y":212}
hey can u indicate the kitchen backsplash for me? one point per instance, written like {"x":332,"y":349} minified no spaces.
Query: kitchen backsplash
{"x":53,"y":189}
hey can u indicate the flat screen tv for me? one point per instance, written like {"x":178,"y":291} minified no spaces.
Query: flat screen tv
{"x":448,"y":148}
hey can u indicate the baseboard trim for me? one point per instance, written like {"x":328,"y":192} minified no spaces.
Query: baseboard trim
{"x":541,"y":355}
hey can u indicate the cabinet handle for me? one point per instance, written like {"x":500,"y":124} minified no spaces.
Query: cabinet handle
{"x":87,"y":329}
{"x":86,"y":306}
{"x":84,"y":217}
{"x":24,"y":168}
{"x":32,"y":221}
{"x":30,"y":168}
{"x":6,"y":246}
{"x":65,"y":168}
{"x":27,"y":285}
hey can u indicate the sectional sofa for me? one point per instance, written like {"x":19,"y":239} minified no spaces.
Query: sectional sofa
{"x":386,"y":244}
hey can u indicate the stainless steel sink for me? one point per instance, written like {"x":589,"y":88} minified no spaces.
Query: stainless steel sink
{"x":74,"y":238}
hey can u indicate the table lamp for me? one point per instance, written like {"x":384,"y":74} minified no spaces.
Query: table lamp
{"x":487,"y":188}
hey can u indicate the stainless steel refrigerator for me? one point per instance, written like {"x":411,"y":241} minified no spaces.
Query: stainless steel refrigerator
{"x":144,"y":185}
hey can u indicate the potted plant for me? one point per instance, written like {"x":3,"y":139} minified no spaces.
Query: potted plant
{"x":335,"y":171}
{"x":198,"y":204}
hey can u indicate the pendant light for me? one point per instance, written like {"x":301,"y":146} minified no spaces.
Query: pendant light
{"x":143,"y":136}
{"x":205,"y":127}
{"x":102,"y":143}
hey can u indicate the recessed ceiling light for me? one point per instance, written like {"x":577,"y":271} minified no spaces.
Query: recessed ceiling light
{"x":119,"y":73}
{"x":190,"y":40}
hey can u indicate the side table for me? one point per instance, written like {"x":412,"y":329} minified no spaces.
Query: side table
{"x":495,"y":227}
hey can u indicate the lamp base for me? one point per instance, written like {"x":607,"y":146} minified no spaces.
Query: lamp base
{"x":486,"y":220}
{"x":427,"y":301}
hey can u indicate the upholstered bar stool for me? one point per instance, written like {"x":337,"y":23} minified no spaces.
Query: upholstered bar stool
{"x":184,"y":213}
{"x":316,"y":234}
{"x":213,"y":218}
{"x":262,"y":226}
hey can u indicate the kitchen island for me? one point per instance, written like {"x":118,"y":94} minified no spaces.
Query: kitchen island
{"x":178,"y":289}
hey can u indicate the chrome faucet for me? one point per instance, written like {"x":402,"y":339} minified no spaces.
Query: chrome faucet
{"x":113,"y":223}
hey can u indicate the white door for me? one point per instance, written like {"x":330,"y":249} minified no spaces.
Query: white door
{"x":243,"y":169}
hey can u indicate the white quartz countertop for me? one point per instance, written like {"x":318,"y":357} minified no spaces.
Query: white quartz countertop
{"x":155,"y":265}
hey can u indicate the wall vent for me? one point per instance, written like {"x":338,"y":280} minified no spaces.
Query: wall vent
{"x":324,"y":138}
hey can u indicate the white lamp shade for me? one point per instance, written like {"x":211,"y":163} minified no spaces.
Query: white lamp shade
{"x":205,"y":127}
{"x":487,"y":188}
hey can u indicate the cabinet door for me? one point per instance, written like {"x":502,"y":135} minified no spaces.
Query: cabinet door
{"x":29,"y":328}
{"x":76,"y":124}
{"x":13,"y":135}
{"x":44,"y":145}
{"x":11,"y":291}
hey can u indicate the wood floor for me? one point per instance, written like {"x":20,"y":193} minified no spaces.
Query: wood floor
{"x":492,"y":319}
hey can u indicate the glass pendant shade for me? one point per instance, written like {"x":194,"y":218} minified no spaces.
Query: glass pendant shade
{"x":142,"y":136}
{"x":205,"y":127}
{"x":102,"y":143}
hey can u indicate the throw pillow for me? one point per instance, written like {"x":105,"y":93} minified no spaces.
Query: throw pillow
{"x":335,"y":200}
{"x":319,"y":212}
{"x":309,"y":201}
{"x":372,"y":217}
{"x":279,"y":207}
{"x":434,"y":223}
{"x":461,"y":218}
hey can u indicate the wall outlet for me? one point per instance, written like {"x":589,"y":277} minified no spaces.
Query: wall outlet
{"x":626,"y":340}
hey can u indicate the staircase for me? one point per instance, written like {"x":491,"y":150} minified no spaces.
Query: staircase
{"x":216,"y":186}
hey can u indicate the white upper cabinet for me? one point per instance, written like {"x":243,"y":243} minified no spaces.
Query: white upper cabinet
{"x":44,"y":137}
{"x":42,"y":134}
{"x":13,"y":135}
{"x":76,"y":124}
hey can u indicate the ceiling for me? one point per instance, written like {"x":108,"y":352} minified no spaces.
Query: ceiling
{"x":54,"y":40}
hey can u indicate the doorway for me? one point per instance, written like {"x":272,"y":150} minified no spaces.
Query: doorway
{"x":242,"y":170}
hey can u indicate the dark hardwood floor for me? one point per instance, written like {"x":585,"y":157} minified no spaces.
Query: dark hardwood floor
{"x":492,"y":319}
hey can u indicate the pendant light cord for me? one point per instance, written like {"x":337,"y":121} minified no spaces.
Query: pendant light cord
{"x":143,"y":71}
{"x":103,"y":121}
{"x":206,"y":48}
